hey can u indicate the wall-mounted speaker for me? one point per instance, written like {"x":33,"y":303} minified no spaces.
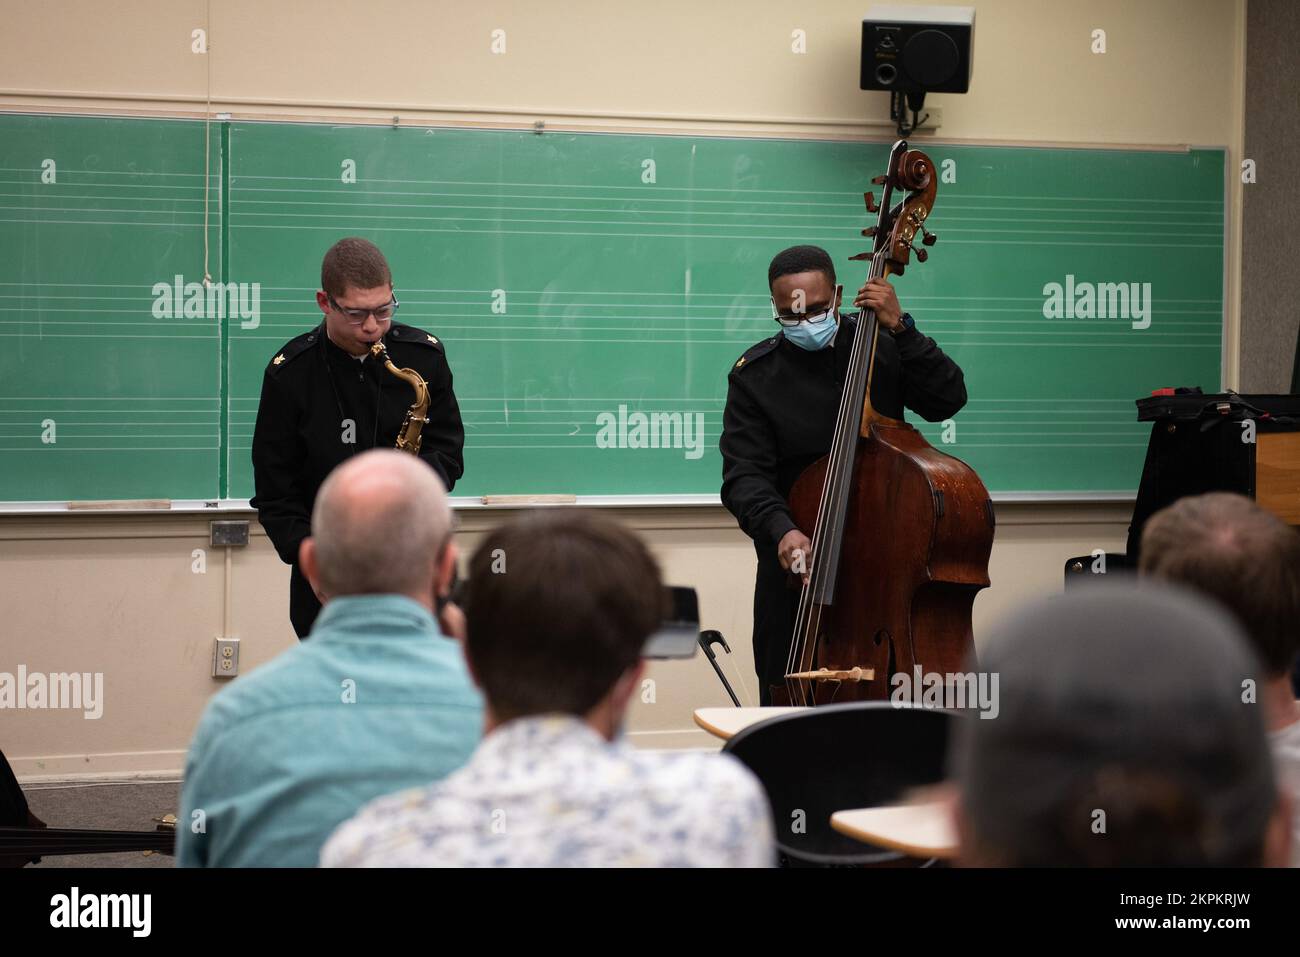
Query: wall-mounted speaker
{"x":917,"y":50}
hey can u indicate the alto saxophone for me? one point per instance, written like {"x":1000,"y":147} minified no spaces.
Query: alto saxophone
{"x":408,"y":437}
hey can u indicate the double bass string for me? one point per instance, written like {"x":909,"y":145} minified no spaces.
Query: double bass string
{"x":833,"y":490}
{"x":843,"y":443}
{"x":795,"y":659}
{"x":808,"y":617}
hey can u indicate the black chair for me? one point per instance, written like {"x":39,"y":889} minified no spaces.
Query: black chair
{"x":1080,"y":569}
{"x":833,"y":758}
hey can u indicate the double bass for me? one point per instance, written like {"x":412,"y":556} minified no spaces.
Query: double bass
{"x":901,"y":531}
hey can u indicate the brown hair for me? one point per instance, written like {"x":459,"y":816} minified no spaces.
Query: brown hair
{"x":1151,"y":819}
{"x":354,"y":262}
{"x":1227,"y":547}
{"x":558,"y":606}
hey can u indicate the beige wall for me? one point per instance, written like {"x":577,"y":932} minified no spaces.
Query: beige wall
{"x":116,"y":594}
{"x":1170,"y":73}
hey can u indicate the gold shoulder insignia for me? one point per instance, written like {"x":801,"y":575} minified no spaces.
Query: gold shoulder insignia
{"x":433,"y":340}
{"x":740,"y":362}
{"x":278,"y":359}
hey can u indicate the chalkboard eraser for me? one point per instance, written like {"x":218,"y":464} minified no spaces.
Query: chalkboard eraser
{"x":121,"y":504}
{"x":526,"y":500}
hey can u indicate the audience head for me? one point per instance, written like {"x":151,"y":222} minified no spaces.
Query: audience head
{"x":381,"y":525}
{"x":1228,"y":548}
{"x":1126,"y":736}
{"x":559,"y":606}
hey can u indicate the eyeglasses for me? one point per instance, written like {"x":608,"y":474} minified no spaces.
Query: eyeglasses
{"x":789,"y":320}
{"x":358,"y":316}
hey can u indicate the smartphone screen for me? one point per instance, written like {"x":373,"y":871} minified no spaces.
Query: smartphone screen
{"x":679,"y":633}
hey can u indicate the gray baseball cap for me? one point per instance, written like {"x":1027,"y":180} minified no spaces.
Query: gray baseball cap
{"x":1127,"y":733}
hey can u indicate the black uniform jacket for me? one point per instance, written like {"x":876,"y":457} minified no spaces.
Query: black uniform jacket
{"x":310,"y":391}
{"x":780,"y":416}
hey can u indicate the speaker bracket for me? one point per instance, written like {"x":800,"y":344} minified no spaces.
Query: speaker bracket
{"x":900,"y":104}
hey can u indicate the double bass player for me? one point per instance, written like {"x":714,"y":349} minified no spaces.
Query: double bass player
{"x":782,"y":399}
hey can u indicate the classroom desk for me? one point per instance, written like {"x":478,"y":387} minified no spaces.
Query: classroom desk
{"x":725,"y":723}
{"x":917,"y":830}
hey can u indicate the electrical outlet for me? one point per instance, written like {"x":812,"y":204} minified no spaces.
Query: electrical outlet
{"x":225,"y":658}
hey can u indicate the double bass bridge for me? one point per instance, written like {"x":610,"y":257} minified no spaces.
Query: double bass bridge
{"x":828,"y":674}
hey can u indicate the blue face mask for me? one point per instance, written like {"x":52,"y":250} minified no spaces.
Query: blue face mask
{"x":813,"y":335}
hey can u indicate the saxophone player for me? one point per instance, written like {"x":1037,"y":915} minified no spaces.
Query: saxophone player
{"x":326,"y":397}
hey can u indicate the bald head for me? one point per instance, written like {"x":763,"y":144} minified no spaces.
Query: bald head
{"x":380,"y":525}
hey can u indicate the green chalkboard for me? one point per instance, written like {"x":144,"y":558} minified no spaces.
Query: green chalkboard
{"x":99,"y":398}
{"x":579,"y":280}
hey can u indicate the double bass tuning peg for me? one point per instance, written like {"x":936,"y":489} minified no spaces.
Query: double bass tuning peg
{"x":928,"y":238}
{"x":871,"y":203}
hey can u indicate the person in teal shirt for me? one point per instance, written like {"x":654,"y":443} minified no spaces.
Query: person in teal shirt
{"x":379,"y":700}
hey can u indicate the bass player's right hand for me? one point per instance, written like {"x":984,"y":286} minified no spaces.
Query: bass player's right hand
{"x":795,"y":553}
